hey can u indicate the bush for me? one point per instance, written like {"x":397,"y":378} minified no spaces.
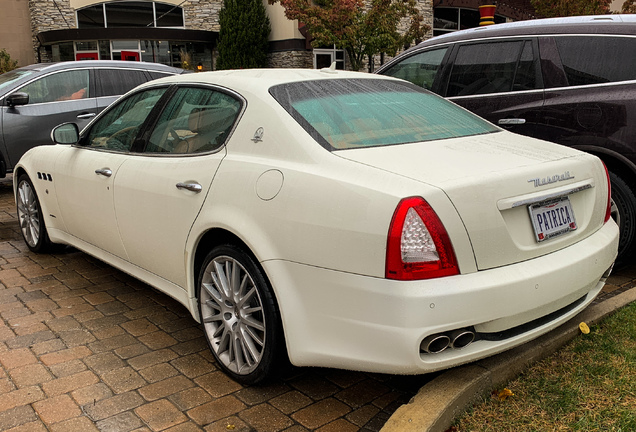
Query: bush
{"x":243,"y":36}
{"x":6,"y":64}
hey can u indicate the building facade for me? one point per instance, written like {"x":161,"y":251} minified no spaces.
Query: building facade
{"x":184,"y":33}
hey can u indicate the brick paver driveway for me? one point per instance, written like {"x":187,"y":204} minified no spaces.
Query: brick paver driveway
{"x":84,"y":347}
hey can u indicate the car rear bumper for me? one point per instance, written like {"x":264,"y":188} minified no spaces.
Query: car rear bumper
{"x":349,"y":321}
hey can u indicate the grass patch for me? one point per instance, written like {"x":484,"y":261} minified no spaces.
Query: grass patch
{"x":589,"y":385}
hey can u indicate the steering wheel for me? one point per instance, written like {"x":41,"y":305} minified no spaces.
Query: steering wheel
{"x":120,"y":140}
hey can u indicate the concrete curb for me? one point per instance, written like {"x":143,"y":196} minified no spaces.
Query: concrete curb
{"x":438,"y":402}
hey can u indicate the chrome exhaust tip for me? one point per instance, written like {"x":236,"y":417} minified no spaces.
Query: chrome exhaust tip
{"x":461,"y":338}
{"x":435,"y":343}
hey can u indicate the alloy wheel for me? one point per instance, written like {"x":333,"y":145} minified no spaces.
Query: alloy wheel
{"x":232,"y":315}
{"x":29,"y":214}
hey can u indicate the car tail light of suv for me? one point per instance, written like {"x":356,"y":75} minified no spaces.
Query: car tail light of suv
{"x":418,"y":246}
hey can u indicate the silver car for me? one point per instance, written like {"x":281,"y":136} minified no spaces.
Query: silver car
{"x":36,"y":98}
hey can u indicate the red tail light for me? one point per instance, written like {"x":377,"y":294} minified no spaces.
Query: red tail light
{"x":418,"y":246}
{"x":608,"y":209}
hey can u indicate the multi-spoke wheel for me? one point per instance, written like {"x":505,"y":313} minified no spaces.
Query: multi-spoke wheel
{"x":239,"y":315}
{"x":30,"y":216}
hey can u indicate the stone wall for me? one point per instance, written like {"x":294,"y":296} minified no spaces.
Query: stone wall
{"x":291,"y":59}
{"x":49,"y":15}
{"x":202,"y":14}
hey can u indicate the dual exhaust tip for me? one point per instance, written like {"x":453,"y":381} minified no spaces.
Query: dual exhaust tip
{"x":455,"y":339}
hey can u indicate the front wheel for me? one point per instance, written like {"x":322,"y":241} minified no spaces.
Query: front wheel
{"x":239,"y":315}
{"x":30,"y":217}
{"x":624,"y":213}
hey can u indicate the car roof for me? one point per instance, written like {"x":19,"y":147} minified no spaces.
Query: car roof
{"x":259,"y":80}
{"x":624,"y":24}
{"x":47,"y":67}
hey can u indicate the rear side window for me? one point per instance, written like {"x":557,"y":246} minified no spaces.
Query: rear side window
{"x":420,"y":69}
{"x":353,"y":113}
{"x":115,"y":82}
{"x":596,"y":60}
{"x":493,"y":67}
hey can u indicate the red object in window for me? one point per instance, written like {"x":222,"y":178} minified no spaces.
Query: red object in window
{"x":130,"y":55}
{"x":87,"y":56}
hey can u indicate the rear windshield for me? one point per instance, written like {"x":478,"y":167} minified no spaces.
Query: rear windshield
{"x":354,"y":113}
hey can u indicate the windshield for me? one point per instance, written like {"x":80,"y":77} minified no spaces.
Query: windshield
{"x":10,"y":77}
{"x":353,"y":113}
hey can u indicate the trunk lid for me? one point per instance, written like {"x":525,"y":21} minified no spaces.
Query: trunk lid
{"x":494,"y":179}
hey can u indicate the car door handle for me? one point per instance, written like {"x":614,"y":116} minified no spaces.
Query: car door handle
{"x":106,"y":172}
{"x":85,"y":116}
{"x":194,"y":187}
{"x":511,"y":121}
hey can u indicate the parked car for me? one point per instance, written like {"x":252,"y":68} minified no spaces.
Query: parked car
{"x":344,"y":219}
{"x":570,"y":80}
{"x":36,"y":98}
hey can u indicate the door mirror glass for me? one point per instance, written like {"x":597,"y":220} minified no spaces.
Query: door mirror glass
{"x":66,"y":133}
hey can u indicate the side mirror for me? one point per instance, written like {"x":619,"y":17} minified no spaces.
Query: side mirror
{"x":18,"y":98}
{"x":67,"y":133}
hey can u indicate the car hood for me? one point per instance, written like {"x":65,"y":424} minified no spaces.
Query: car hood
{"x":492,"y":179}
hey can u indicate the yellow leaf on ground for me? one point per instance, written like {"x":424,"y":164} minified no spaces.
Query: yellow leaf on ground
{"x":584,"y":328}
{"x":504,"y":394}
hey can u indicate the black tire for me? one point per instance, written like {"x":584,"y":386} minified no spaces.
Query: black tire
{"x":239,"y":315}
{"x":624,"y":213}
{"x":30,"y":217}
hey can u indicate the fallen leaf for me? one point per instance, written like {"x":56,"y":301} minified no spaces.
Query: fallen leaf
{"x":584,"y":328}
{"x":230,"y":427}
{"x":504,"y":394}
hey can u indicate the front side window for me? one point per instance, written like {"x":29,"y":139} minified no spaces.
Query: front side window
{"x":597,"y":60}
{"x":420,"y":69}
{"x":354,"y":113}
{"x":117,"y":129}
{"x":484,"y":68}
{"x":195,"y":120}
{"x":61,"y":86}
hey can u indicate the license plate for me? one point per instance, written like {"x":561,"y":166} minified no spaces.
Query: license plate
{"x":552,"y":219}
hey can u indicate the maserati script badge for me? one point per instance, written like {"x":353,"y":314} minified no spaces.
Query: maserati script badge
{"x":553,"y":179}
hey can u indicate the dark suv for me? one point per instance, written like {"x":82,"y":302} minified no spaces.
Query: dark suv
{"x":567,"y":80}
{"x":36,"y":98}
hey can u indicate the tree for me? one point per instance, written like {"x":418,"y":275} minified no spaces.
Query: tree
{"x":6,"y":64}
{"x":358,"y":28}
{"x":629,"y":7}
{"x":243,"y":38}
{"x":562,"y":8}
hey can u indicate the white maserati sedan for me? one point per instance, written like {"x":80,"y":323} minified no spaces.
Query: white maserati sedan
{"x":331,"y":218}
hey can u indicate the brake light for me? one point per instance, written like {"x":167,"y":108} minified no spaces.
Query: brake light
{"x":608,"y":209}
{"x":418,"y":246}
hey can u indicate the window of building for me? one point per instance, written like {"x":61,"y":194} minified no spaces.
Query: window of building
{"x":446,"y":20}
{"x":324,"y":57}
{"x":130,"y":14}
